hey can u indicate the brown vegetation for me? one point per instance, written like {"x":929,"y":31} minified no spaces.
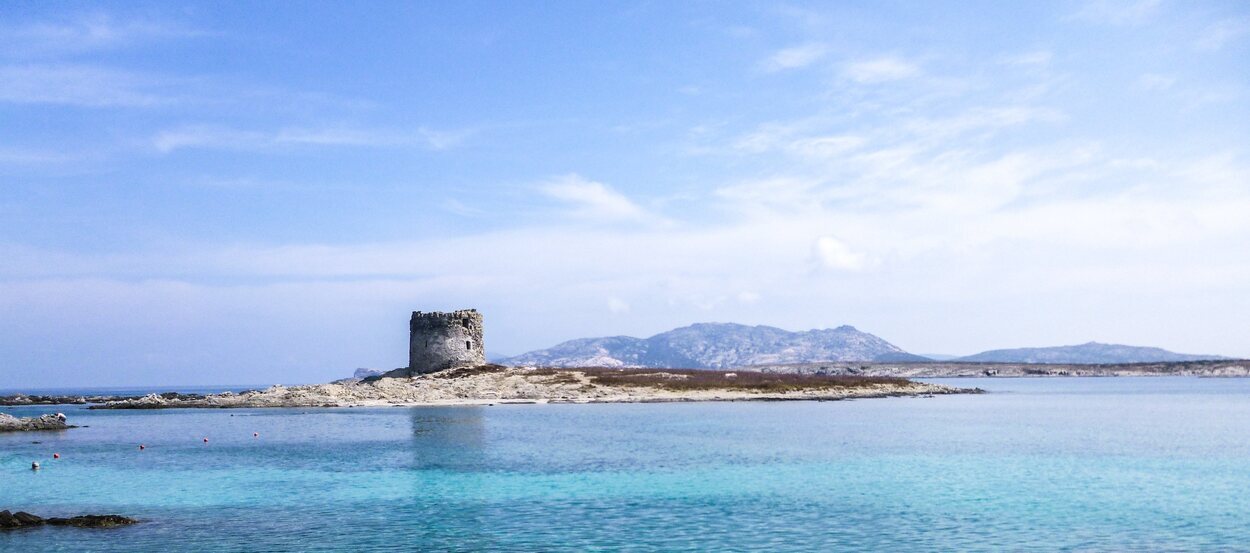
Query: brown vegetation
{"x":681,"y":380}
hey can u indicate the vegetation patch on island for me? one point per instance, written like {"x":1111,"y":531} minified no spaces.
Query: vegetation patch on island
{"x":703,"y":380}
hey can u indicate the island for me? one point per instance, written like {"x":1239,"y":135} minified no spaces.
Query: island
{"x":490,"y":384}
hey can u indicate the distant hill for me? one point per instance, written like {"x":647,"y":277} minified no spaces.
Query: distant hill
{"x":359,"y":375}
{"x":718,"y":346}
{"x":1090,"y":353}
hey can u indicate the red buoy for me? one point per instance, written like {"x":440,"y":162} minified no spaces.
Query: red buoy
{"x":56,"y":455}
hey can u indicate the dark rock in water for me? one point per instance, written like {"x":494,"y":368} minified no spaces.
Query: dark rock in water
{"x":27,"y":519}
{"x":21,"y":519}
{"x":8,"y":521}
{"x":93,"y":521}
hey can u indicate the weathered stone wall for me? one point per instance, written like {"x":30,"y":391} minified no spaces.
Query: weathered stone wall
{"x":439,"y":341}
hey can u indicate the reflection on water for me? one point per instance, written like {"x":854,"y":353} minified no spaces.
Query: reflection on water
{"x":448,"y":438}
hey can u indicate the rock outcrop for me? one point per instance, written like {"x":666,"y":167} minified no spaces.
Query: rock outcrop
{"x":9,"y":423}
{"x":21,"y":519}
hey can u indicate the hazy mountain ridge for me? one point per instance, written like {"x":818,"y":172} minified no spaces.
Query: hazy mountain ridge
{"x":1087,"y":353}
{"x":718,"y":346}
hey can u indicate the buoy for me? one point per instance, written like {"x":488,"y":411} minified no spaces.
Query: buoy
{"x":56,"y":455}
{"x":34,"y":466}
{"x":205,"y":440}
{"x":141,"y":447}
{"x":255,"y":434}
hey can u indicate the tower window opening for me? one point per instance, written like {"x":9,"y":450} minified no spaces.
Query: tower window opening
{"x":468,"y":345}
{"x":464,"y":323}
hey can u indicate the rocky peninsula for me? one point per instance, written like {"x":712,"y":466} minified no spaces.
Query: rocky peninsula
{"x":489,"y":384}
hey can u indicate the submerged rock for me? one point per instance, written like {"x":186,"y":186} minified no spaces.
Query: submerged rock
{"x":10,"y":423}
{"x":22,"y":519}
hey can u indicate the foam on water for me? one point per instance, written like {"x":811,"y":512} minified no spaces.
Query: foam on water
{"x":1054,"y":464}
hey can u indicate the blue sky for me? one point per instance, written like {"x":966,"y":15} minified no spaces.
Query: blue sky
{"x":257,"y":193}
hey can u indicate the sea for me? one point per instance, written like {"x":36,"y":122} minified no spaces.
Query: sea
{"x":1034,"y":464}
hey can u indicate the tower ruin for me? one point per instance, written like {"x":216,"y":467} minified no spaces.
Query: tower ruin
{"x":438,"y":341}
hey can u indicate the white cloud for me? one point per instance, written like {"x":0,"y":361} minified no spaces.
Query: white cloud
{"x":617,"y":305}
{"x":880,"y":70}
{"x":748,"y":296}
{"x":946,"y":233}
{"x":592,"y":200}
{"x":795,"y":57}
{"x":833,"y":253}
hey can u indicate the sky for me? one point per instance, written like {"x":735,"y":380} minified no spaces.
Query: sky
{"x":255,"y":193}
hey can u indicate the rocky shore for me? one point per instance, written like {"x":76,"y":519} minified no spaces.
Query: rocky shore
{"x":497,"y":384}
{"x":9,"y":423}
{"x":21,"y":519}
{"x":24,"y":399}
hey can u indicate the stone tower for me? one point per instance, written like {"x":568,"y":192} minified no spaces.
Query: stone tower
{"x":440,"y":341}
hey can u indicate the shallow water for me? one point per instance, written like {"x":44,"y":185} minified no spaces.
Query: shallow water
{"x":1038,"y":464}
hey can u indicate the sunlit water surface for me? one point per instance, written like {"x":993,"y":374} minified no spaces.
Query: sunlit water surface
{"x":1037,"y":464}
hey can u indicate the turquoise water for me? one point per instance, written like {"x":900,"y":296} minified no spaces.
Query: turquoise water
{"x":1142,"y":464}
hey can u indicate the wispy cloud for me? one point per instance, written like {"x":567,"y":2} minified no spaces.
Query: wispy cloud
{"x":795,"y":57}
{"x":87,"y":33}
{"x":1155,"y":81}
{"x":216,"y":137}
{"x":80,"y":85}
{"x":444,"y":139}
{"x":27,"y":156}
{"x":1219,"y":34}
{"x":880,"y":70}
{"x":592,"y":200}
{"x":1034,"y":58}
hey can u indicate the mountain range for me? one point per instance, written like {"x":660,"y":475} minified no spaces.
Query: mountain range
{"x":1088,"y":353}
{"x":728,"y":345}
{"x":717,"y":346}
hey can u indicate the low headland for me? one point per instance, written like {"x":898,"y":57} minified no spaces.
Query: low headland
{"x":490,"y":384}
{"x":950,"y":369}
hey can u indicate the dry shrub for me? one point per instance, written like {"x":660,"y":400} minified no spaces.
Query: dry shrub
{"x":694,"y":379}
